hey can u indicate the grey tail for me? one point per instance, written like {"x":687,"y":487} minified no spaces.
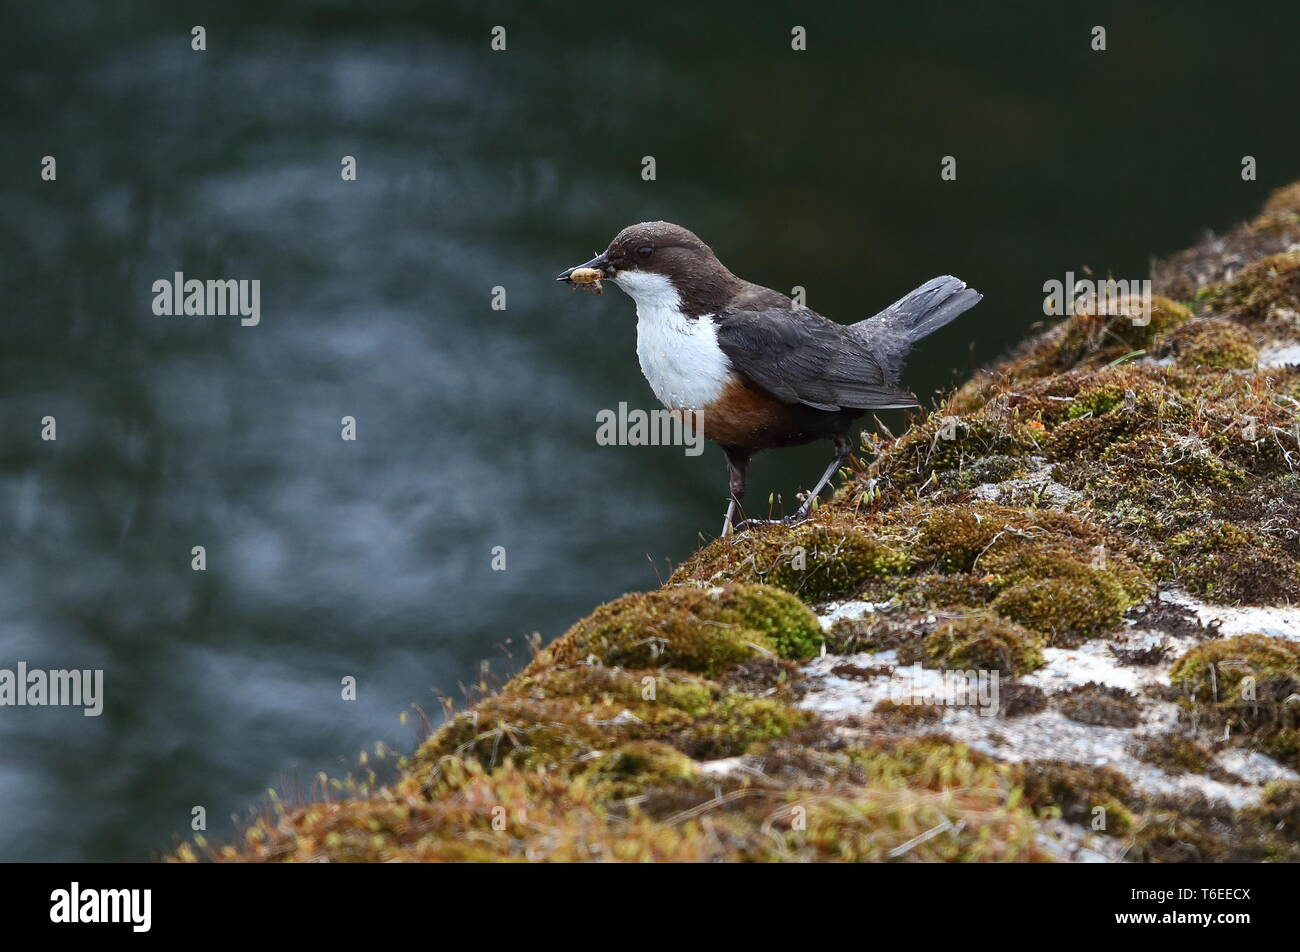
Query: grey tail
{"x":893,"y":331}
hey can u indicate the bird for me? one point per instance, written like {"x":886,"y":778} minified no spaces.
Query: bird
{"x":754,"y":369}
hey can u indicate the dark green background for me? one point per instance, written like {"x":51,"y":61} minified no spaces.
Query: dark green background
{"x":372,"y":559}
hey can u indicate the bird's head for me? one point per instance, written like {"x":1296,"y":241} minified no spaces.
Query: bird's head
{"x":653,"y":260}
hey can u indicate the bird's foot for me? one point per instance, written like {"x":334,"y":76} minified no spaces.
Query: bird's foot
{"x":744,"y":524}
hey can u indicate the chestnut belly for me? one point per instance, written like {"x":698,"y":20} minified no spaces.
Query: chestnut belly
{"x":745,"y":416}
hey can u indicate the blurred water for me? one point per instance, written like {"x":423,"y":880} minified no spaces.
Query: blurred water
{"x":476,"y":427}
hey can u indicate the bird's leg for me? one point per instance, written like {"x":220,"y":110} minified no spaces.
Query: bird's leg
{"x":737,"y":465}
{"x":843,"y":450}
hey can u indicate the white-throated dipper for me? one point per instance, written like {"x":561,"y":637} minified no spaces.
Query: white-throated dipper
{"x":755,"y":370}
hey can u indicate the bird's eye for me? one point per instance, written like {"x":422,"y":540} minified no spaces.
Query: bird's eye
{"x":645,"y":251}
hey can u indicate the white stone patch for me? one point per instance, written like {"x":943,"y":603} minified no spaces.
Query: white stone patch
{"x":1068,"y":843}
{"x":1040,"y":483}
{"x":831,"y":612}
{"x":1092,"y":661}
{"x":1279,"y":622}
{"x":1279,"y":355}
{"x":1048,"y":734}
{"x":1252,"y":766}
{"x":723,"y":767}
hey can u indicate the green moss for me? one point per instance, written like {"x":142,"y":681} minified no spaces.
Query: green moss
{"x":1113,"y":408}
{"x":558,"y":717}
{"x":1242,"y":685}
{"x":833,"y":556}
{"x":932,"y":590}
{"x":1217,"y":671}
{"x":936,"y":447}
{"x":633,"y":768}
{"x":983,"y":642}
{"x":1264,"y":289}
{"x":932,"y":762}
{"x":1212,"y":342}
{"x":951,"y":538}
{"x":1279,"y":807}
{"x":1077,"y":602}
{"x":1232,"y":563}
{"x":702,"y":630}
{"x":1282,"y":744}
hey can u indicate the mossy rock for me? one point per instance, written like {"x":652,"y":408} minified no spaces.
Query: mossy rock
{"x":1234,"y":564}
{"x":1113,"y":409}
{"x":1177,"y":754}
{"x":1101,"y":705}
{"x":1264,"y":289}
{"x":1283,"y":201}
{"x":1214,"y":672}
{"x":927,"y":452}
{"x":637,"y":766}
{"x":557,"y":717}
{"x":1074,"y":604}
{"x":1088,"y":795}
{"x":702,"y":630}
{"x":1212,"y":342}
{"x":1279,"y":806}
{"x":982,"y":641}
{"x":832,"y":556}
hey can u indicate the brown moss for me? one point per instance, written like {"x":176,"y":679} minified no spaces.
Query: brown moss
{"x":1091,"y":796}
{"x":895,"y":714}
{"x":1177,"y":753}
{"x":1016,"y":699}
{"x":1265,"y":292}
{"x":1102,"y":705}
{"x":1284,"y":201}
{"x":1278,"y":807}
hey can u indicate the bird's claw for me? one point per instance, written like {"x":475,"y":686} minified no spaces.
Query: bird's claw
{"x":794,"y":520}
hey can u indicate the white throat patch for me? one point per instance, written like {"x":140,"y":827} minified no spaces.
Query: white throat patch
{"x":679,"y":356}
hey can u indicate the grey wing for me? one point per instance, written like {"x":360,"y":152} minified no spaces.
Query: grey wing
{"x":800,"y":357}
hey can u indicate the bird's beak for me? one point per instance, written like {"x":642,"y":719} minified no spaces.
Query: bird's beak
{"x":599,"y":263}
